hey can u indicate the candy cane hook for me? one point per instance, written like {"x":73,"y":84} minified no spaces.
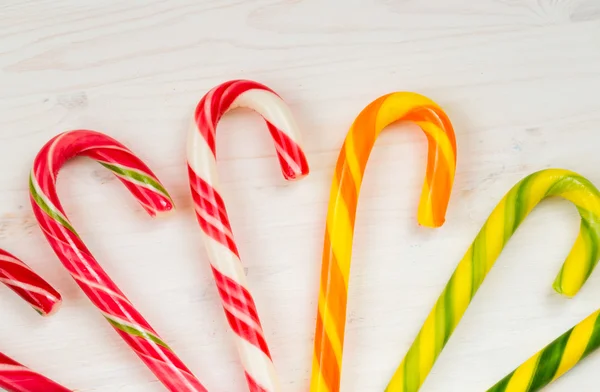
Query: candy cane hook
{"x":479,"y":259}
{"x":228,"y":272}
{"x":350,"y":168}
{"x":15,"y":377}
{"x":78,"y":260}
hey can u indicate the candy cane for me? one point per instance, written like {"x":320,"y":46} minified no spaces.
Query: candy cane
{"x":78,"y":260}
{"x":15,"y":377}
{"x":555,"y":359}
{"x":350,"y":168}
{"x":28,"y":285}
{"x":483,"y":252}
{"x":228,"y":272}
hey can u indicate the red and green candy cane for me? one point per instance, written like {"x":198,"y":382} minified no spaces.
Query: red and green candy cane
{"x":78,"y":260}
{"x":42,"y":297}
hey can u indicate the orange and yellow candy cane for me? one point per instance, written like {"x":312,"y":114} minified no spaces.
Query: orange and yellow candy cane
{"x":350,"y":167}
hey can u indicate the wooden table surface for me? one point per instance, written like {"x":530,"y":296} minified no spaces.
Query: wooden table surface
{"x":519,"y":79}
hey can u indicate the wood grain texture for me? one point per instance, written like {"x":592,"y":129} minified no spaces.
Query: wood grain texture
{"x":518,"y":78}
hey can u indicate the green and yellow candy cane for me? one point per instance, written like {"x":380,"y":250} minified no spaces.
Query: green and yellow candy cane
{"x":479,"y":259}
{"x":555,"y":359}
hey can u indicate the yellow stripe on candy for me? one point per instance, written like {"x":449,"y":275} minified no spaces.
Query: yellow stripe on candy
{"x":317,"y":382}
{"x":330,"y":328}
{"x":426,"y":348}
{"x":495,"y":228}
{"x":575,"y":270}
{"x":462,"y":287}
{"x":580,"y":336}
{"x":352,"y":161}
{"x":395,"y":106}
{"x":440,"y":137}
{"x":425,"y":211}
{"x":341,"y":232}
{"x":522,"y":377}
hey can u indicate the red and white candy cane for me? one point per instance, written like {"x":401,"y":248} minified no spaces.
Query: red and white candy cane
{"x":15,"y":377}
{"x":237,"y":301}
{"x":78,"y":260}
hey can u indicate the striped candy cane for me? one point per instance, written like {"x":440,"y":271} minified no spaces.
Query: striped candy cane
{"x":349,"y":172}
{"x":15,"y":377}
{"x":78,"y":260}
{"x":481,"y":256}
{"x":555,"y":359}
{"x":28,"y":285}
{"x":237,"y":301}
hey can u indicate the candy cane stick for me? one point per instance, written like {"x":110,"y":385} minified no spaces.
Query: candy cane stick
{"x":555,"y":359}
{"x":484,"y":251}
{"x":28,"y":285}
{"x":15,"y":377}
{"x":78,"y":260}
{"x":237,"y":301}
{"x":350,"y":168}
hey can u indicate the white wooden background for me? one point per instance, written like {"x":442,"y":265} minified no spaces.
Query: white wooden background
{"x":519,"y":79}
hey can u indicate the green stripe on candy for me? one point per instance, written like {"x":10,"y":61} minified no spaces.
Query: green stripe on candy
{"x":412,"y":378}
{"x":440,"y":323}
{"x":448,"y":318}
{"x":521,"y":201}
{"x":49,"y":210}
{"x":141,"y":333}
{"x":137,"y":176}
{"x":590,"y":245}
{"x":503,"y":384}
{"x":510,"y":215}
{"x":548,"y":362}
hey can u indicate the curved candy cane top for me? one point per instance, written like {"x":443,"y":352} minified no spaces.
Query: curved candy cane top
{"x":350,"y":168}
{"x":252,"y":95}
{"x":28,"y":285}
{"x":78,"y":260}
{"x":15,"y":377}
{"x":441,"y":157}
{"x":228,"y":272}
{"x":129,"y":169}
{"x":482,"y":254}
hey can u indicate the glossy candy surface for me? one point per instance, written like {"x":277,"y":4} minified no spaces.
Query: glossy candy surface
{"x":227,"y":268}
{"x":42,"y":297}
{"x":28,"y":285}
{"x":350,"y":168}
{"x":555,"y":359}
{"x":481,"y":256}
{"x":78,"y":260}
